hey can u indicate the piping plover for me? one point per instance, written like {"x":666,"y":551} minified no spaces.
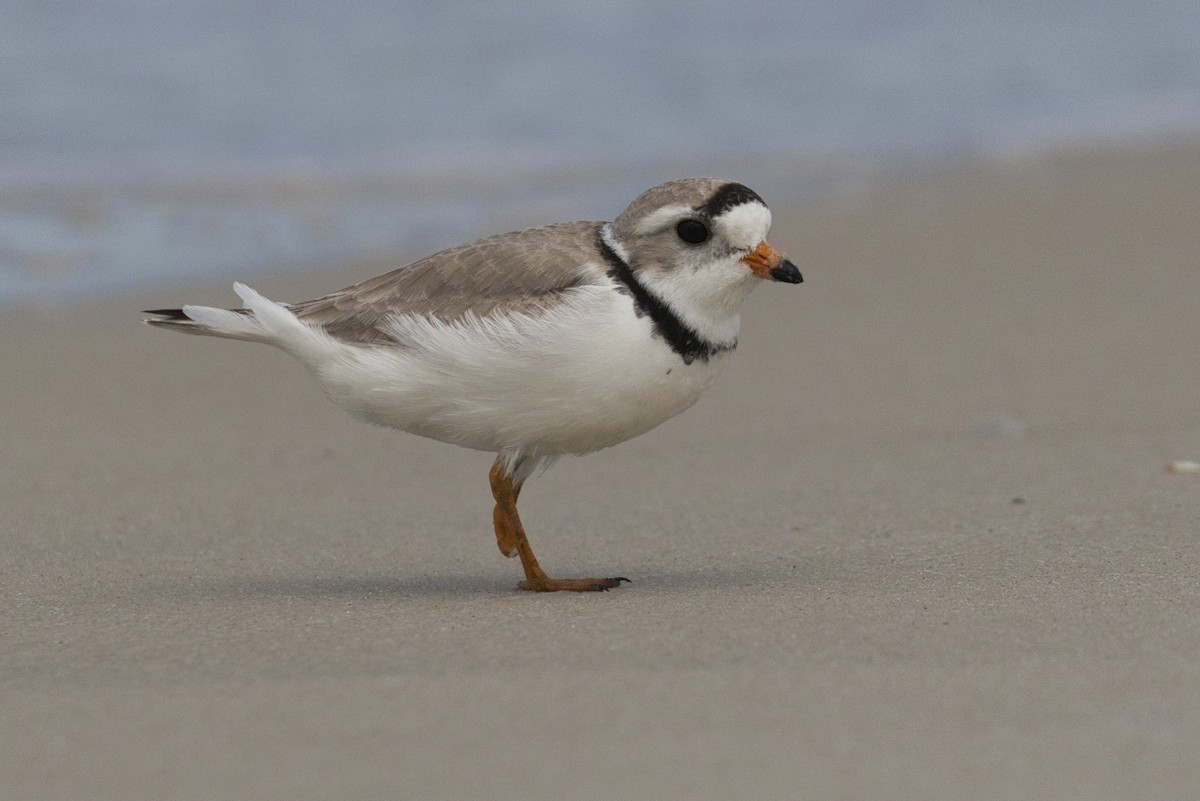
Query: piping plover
{"x":533,"y":344}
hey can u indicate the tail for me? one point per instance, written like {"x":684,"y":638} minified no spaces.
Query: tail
{"x":262,"y":320}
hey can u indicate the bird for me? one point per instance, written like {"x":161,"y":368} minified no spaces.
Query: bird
{"x":561,"y":339}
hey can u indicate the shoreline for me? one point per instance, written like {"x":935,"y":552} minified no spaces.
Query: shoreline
{"x":315,"y":221}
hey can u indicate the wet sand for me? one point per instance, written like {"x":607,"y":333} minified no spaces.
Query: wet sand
{"x":919,"y":542}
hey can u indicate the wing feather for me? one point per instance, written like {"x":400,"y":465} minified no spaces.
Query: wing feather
{"x":523,"y":271}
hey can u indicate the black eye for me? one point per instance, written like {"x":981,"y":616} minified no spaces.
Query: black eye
{"x":692,"y":231}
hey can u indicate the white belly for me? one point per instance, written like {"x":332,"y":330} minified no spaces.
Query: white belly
{"x":587,"y":375}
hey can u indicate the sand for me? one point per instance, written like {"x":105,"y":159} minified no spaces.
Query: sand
{"x":920,"y":542}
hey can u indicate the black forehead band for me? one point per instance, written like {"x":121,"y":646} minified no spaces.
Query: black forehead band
{"x":728,"y":196}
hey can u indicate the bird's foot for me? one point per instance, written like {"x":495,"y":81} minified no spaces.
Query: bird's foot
{"x":547,"y":584}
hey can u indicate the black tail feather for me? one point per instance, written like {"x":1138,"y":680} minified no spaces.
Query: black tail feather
{"x":167,"y":314}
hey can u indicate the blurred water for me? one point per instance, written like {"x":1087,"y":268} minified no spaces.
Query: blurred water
{"x":148,"y":141}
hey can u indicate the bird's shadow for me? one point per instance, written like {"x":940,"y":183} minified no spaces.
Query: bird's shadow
{"x":353,"y":586}
{"x":393,"y":588}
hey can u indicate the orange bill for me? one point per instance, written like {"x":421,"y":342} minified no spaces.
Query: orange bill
{"x":769,"y":264}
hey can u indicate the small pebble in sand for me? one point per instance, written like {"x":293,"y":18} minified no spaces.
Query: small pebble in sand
{"x":999,"y":427}
{"x":1183,"y":467}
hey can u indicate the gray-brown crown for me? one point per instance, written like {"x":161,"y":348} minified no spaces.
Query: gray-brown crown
{"x":710,"y":197}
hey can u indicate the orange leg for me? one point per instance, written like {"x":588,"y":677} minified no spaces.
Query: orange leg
{"x":510,"y":536}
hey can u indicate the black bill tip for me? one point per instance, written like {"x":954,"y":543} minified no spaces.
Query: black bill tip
{"x":787,"y":273}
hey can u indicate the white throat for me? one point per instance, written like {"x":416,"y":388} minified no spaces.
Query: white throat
{"x":708,"y":300}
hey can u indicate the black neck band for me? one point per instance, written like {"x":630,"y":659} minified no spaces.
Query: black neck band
{"x":682,"y":339}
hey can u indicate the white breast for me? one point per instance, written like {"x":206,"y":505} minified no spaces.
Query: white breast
{"x":583,"y":376}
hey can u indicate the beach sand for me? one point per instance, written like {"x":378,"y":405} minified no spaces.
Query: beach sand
{"x":920,"y":542}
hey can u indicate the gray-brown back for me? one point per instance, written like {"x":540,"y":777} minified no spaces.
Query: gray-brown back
{"x":522,"y":271}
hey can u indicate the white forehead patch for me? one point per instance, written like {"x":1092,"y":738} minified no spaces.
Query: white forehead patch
{"x":744,"y":225}
{"x":661,"y":218}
